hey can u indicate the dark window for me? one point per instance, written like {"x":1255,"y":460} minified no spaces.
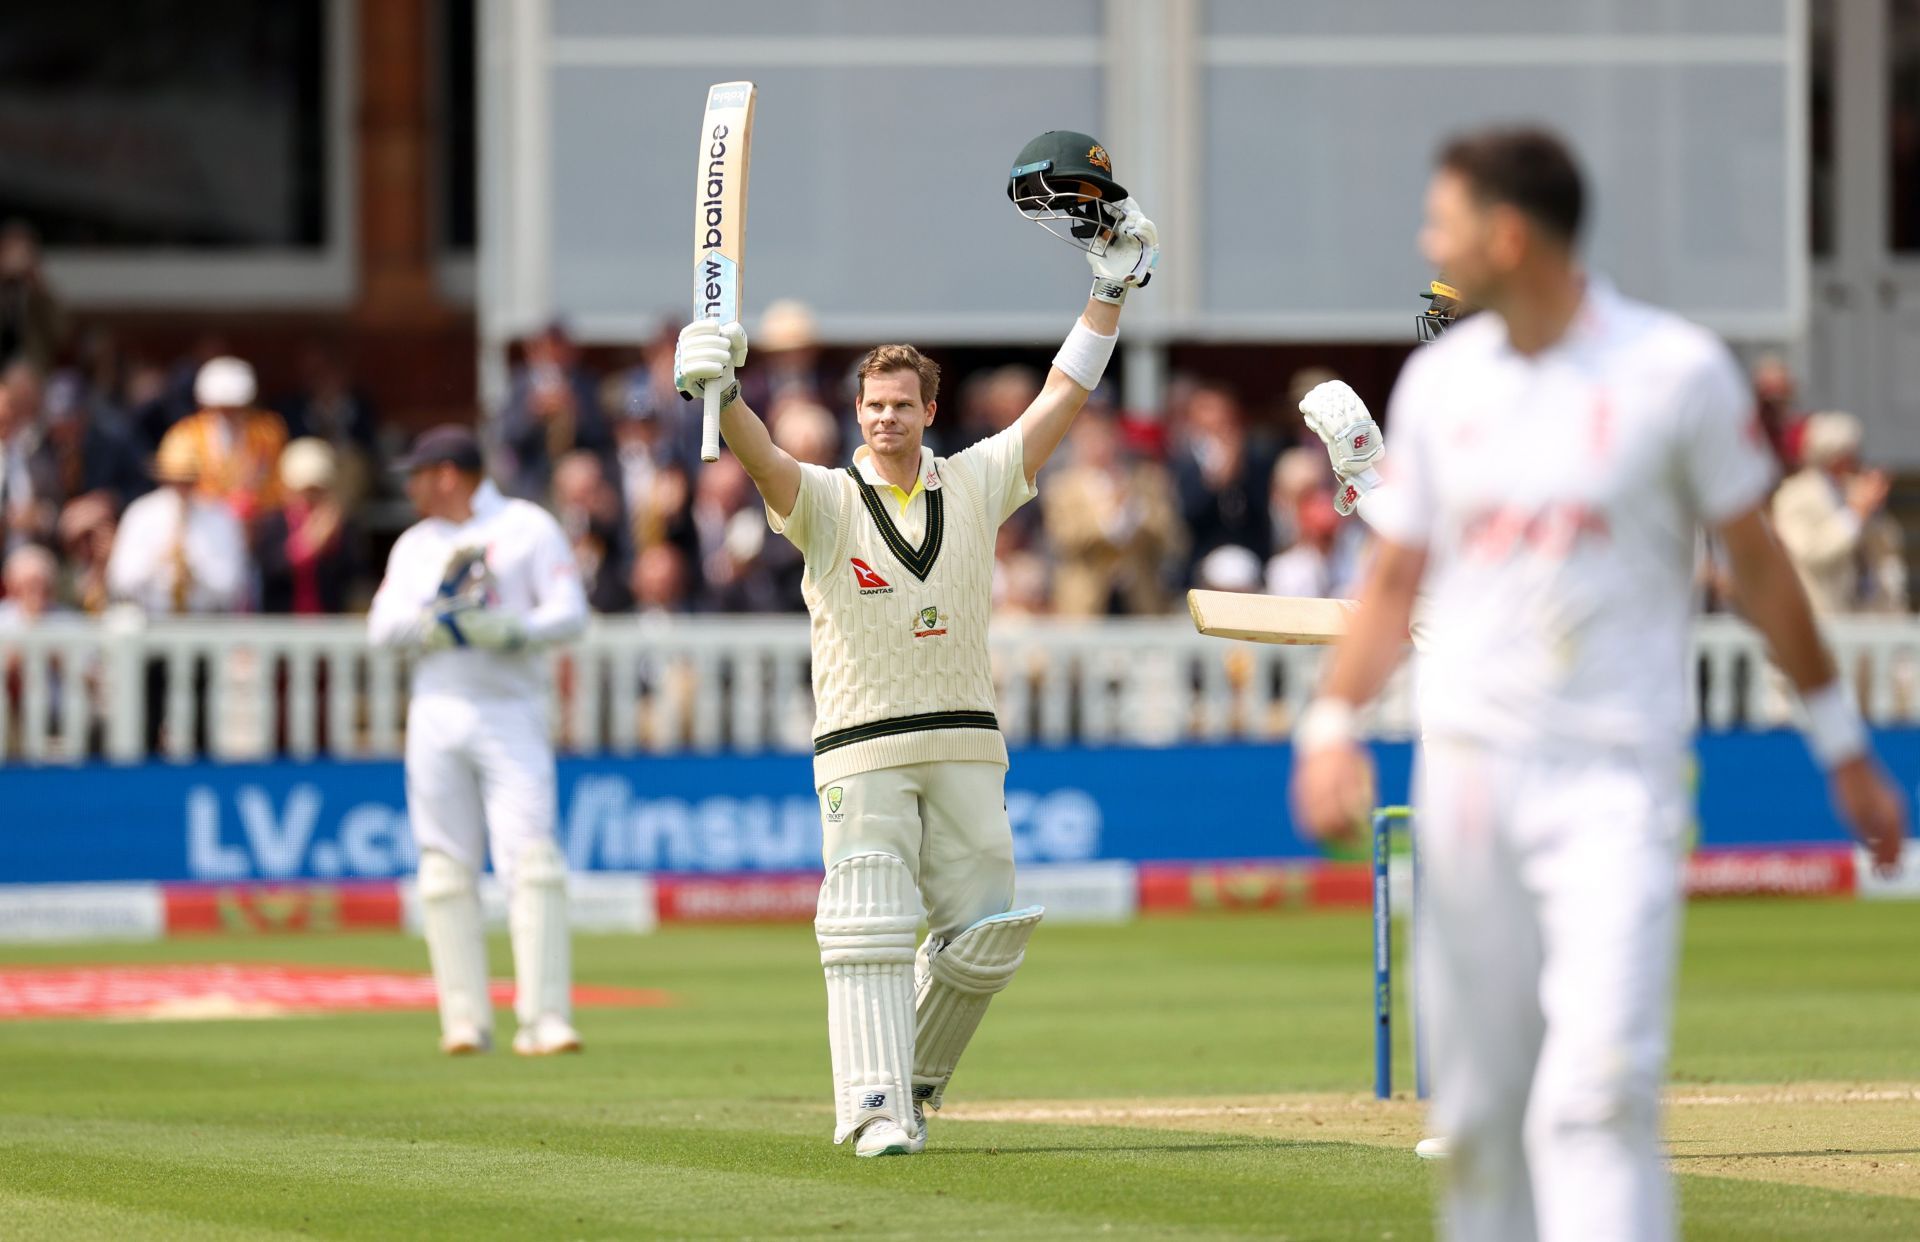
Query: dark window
{"x":459,"y":228}
{"x":167,"y":123}
{"x":1903,"y":125}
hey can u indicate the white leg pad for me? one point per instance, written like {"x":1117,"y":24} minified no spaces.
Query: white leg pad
{"x":954,"y":982}
{"x":869,"y":910}
{"x":542,"y":943}
{"x":456,"y":942}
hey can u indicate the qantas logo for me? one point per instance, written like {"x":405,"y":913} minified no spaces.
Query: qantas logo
{"x":869,"y":582}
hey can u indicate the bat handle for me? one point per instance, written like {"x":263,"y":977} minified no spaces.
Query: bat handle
{"x":710,"y":422}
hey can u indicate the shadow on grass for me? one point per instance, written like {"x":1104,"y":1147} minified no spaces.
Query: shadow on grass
{"x":1094,"y":1149}
{"x":1789,"y":1155}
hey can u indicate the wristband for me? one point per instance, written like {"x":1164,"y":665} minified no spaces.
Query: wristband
{"x":1834,"y":731}
{"x":1084,"y":355}
{"x":1105,"y":290}
{"x":1326,"y":722}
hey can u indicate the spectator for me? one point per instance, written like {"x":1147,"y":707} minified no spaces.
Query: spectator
{"x":1309,"y":567}
{"x":86,"y":542}
{"x":234,"y":446}
{"x":31,"y":575}
{"x":149,"y":408}
{"x":1297,"y":474}
{"x":26,"y":510}
{"x":31,"y":322}
{"x":1830,"y":515}
{"x":331,"y":408}
{"x":306,"y":548}
{"x":1222,"y":480}
{"x":660,"y":580}
{"x":552,"y":409}
{"x":648,"y":463}
{"x":1774,"y":391}
{"x":1111,"y":523}
{"x":1020,"y":586}
{"x":178,"y":551}
{"x":588,"y":509}
{"x":1228,"y":568}
{"x":806,"y":431}
{"x":732,"y":533}
{"x":82,"y":453}
{"x":786,"y":358}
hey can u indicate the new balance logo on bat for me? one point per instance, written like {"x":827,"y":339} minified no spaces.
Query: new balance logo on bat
{"x":868,"y":582}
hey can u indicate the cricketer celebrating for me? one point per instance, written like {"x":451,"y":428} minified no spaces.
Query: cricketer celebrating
{"x":477,"y":587}
{"x":1553,"y":458}
{"x":908,"y":758}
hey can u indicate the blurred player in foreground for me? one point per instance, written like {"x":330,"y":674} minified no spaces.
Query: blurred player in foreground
{"x":908,"y":759}
{"x":477,"y":586}
{"x":1553,"y":458}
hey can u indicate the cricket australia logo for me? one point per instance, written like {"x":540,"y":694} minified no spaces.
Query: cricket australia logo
{"x":929,"y":623}
{"x":866,"y":581}
{"x":835,"y":797}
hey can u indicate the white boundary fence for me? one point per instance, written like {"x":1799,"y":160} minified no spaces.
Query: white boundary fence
{"x":259,"y":687}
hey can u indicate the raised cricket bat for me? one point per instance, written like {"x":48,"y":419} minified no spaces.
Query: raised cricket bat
{"x":1284,"y":619}
{"x":720,"y":225}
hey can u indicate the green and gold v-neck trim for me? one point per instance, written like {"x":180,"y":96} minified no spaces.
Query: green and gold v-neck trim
{"x":919,"y":561}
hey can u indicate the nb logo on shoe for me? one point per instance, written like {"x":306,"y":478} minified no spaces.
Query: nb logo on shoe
{"x":874,"y":1099}
{"x":868,"y":582}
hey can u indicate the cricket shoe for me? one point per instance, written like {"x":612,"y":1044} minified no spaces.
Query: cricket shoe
{"x":465,"y":1041}
{"x":545,"y":1037}
{"x":1438,"y":1147}
{"x":883,"y":1136}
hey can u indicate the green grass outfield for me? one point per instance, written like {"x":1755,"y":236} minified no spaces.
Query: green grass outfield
{"x":707,"y":1119}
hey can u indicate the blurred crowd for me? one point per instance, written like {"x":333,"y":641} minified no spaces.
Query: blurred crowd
{"x":180,"y":487}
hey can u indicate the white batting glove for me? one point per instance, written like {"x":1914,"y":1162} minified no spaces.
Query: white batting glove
{"x":707,"y":351}
{"x":1130,"y":255}
{"x":1339,"y":417}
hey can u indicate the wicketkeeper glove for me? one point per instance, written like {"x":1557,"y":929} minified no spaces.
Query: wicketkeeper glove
{"x":707,"y":351}
{"x":1129,"y":256}
{"x":456,"y":623}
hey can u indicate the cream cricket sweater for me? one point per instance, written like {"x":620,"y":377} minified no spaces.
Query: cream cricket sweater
{"x":900,"y":590}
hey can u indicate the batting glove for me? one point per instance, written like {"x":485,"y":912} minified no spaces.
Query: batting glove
{"x":1129,"y":257}
{"x":1339,"y":417}
{"x":707,"y":351}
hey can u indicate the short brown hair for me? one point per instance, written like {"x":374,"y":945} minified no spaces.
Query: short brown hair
{"x":1525,"y":168}
{"x":884,"y":358}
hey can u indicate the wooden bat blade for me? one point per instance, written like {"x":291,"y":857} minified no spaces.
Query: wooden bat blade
{"x":1286,"y":620}
{"x":720,"y":223}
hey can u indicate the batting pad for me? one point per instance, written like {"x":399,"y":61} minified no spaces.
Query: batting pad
{"x":869,"y":910}
{"x":542,"y":944}
{"x":456,"y":941}
{"x":953,"y":984}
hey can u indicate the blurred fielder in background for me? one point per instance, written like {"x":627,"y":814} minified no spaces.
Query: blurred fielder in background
{"x":1553,"y":460}
{"x":477,"y":586}
{"x":909,"y":762}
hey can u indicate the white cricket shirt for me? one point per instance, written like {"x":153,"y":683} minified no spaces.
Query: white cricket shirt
{"x":1558,"y":497}
{"x":533,"y":575}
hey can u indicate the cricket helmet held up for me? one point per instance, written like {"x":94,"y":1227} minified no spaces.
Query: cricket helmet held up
{"x":1444,"y":309}
{"x":1063,"y":181}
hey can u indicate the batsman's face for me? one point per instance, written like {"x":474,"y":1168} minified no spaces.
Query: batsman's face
{"x":1462,"y":237}
{"x":892,"y":417}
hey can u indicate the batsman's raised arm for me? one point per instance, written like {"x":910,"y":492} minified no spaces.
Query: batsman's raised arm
{"x":1063,"y":182}
{"x":708,"y":353}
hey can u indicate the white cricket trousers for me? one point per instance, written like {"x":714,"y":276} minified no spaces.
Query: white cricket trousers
{"x":479,"y":779}
{"x":946,"y":821}
{"x":1550,"y":913}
